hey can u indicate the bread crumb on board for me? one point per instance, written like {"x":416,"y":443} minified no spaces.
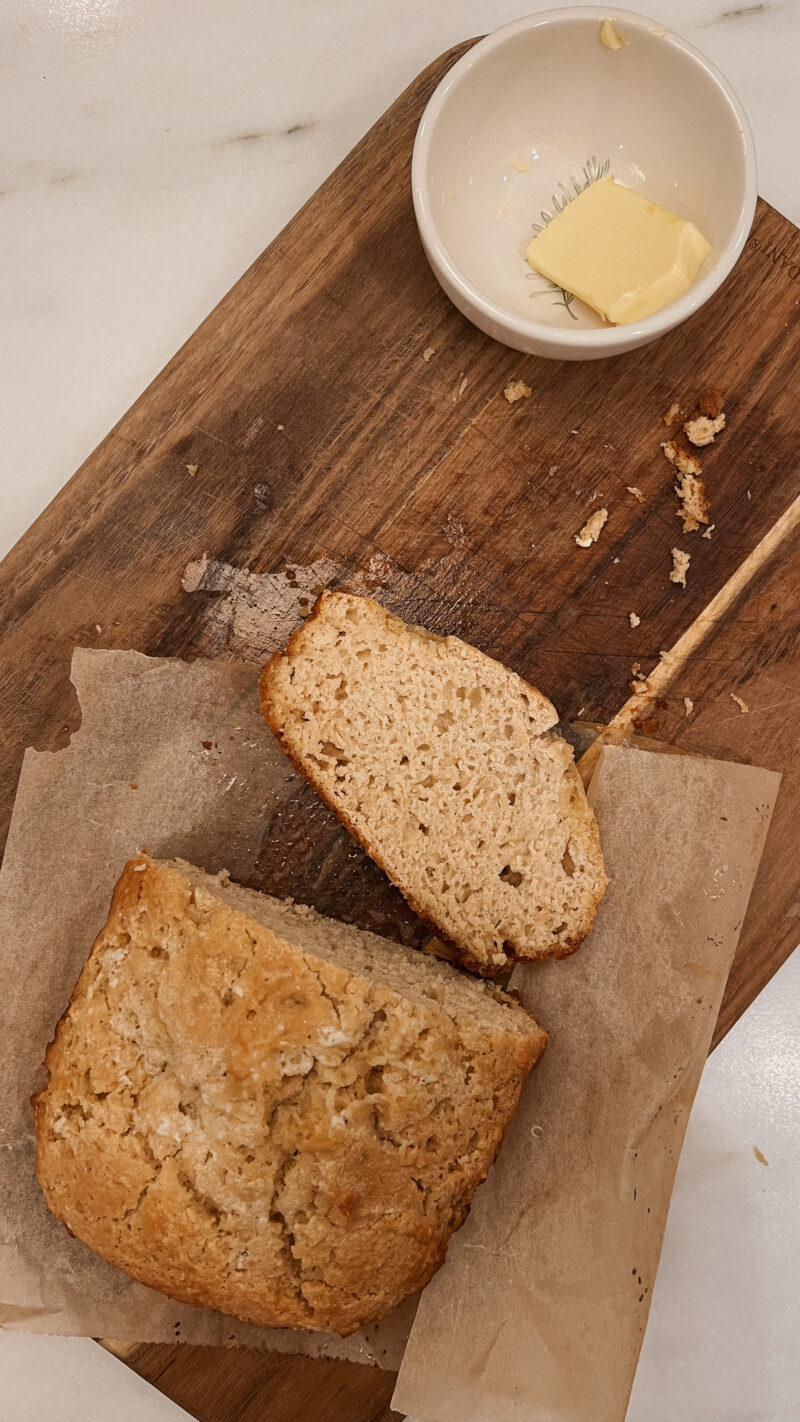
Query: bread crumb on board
{"x":688,"y":706}
{"x":592,"y":529}
{"x":637,"y":493}
{"x":427,"y":353}
{"x":520,"y":165}
{"x":760,"y":1156}
{"x":677,"y":451}
{"x":701,"y":430}
{"x":517,"y":390}
{"x":673,"y":414}
{"x":694,"y":502}
{"x":710,"y":404}
{"x":638,"y":683}
{"x":192,"y":469}
{"x":743,"y":706}
{"x":610,"y":36}
{"x":464,"y":381}
{"x":634,"y":619}
{"x":708,"y":531}
{"x":680,"y":566}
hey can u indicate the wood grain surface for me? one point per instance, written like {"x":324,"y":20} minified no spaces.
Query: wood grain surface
{"x":328,"y":450}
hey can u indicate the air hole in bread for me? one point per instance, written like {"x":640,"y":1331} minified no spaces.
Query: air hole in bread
{"x":568,"y":863}
{"x":512,"y":799}
{"x":351,"y":614}
{"x":511,"y":876}
{"x":332,"y":752}
{"x":444,"y":721}
{"x":559,"y":928}
{"x":404,"y":760}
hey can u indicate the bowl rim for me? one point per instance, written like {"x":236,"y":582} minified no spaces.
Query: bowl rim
{"x":612,"y":337}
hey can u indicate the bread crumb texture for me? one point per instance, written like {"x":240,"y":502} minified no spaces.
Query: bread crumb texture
{"x":680,"y":566}
{"x":592,"y":529}
{"x":445,"y":767}
{"x":694,"y":502}
{"x":254,"y":1108}
{"x":710,"y":403}
{"x":517,"y":390}
{"x":677,"y":451}
{"x":701,"y":430}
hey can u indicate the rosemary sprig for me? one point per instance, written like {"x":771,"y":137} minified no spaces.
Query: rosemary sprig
{"x":593,"y":171}
{"x":564,"y":298}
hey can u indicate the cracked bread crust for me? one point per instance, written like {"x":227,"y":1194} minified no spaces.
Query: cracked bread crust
{"x":286,"y":1134}
{"x":443,"y":764}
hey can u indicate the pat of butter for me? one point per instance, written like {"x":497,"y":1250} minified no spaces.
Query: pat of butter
{"x":621,"y":254}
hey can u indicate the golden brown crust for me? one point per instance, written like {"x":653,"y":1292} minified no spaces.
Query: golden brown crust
{"x":241,"y":1124}
{"x":560,"y":947}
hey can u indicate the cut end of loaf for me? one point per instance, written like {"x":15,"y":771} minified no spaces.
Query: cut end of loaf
{"x":444,"y":765}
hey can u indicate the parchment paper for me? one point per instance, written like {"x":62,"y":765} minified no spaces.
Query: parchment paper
{"x":175,"y":757}
{"x":540,"y":1309}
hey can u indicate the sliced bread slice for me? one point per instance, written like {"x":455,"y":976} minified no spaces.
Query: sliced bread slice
{"x":258,"y":1109}
{"x":445,"y":767}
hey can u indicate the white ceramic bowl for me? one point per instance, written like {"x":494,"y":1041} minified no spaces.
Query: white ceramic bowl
{"x":522,"y":113}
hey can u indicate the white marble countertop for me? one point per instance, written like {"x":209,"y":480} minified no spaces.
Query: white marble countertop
{"x":149,"y":153}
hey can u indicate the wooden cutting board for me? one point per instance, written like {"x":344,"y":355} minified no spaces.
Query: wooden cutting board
{"x":328,"y":448}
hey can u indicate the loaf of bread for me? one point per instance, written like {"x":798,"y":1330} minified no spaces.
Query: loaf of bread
{"x":255,"y":1108}
{"x":445,"y":767}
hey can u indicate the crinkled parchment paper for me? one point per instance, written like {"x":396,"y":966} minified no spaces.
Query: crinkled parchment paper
{"x":176,"y":757}
{"x":538,"y":1311}
{"x":541,"y":1307}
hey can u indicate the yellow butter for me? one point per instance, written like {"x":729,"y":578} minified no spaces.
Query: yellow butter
{"x":611,"y":37}
{"x":624,"y":256}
